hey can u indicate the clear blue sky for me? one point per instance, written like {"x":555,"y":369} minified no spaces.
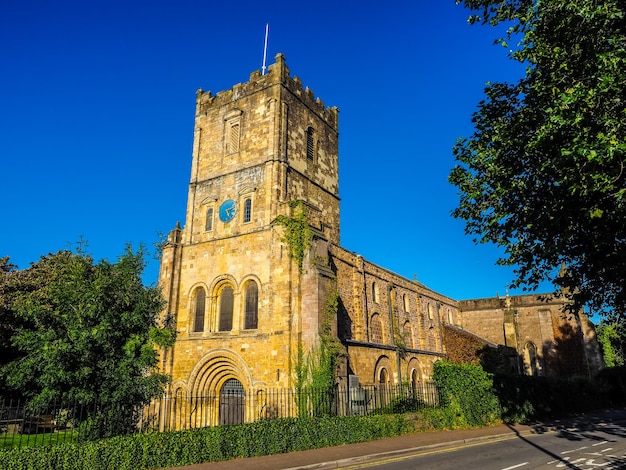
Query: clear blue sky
{"x":97,"y":106}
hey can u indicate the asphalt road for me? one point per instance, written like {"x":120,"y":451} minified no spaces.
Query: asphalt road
{"x":585,"y":447}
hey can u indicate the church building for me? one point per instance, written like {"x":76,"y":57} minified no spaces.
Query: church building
{"x":246,"y":290}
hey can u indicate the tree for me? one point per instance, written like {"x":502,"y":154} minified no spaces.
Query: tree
{"x":88,"y":336}
{"x":543,"y":173}
{"x":8,"y":321}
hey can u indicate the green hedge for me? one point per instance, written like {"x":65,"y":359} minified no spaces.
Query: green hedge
{"x":173,"y":449}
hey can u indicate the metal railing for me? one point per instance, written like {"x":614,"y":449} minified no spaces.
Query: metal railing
{"x":22,"y":426}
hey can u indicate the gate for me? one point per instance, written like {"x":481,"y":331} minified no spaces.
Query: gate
{"x":232,"y":402}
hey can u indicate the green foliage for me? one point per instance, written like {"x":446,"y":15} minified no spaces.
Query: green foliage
{"x":466,"y":390}
{"x":444,"y":417}
{"x":10,"y":441}
{"x":174,"y":449}
{"x":323,"y":375}
{"x":297,"y":232}
{"x":611,"y":339}
{"x":400,"y":405}
{"x":315,"y":371}
{"x":613,"y":383}
{"x":543,"y":174}
{"x":300,"y":380}
{"x":12,"y":281}
{"x":88,"y":336}
{"x":315,"y":380}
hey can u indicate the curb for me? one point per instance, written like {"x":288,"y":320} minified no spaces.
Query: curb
{"x":341,"y":463}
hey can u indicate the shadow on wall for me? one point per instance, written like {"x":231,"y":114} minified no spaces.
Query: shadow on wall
{"x":562,"y":357}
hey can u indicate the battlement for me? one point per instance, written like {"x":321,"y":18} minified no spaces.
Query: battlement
{"x":277,"y":74}
{"x":516,"y":301}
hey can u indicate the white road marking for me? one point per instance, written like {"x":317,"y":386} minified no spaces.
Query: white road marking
{"x":573,"y":450}
{"x":599,"y":443}
{"x":516,"y":466}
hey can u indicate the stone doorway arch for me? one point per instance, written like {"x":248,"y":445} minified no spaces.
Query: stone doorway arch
{"x":218,"y":385}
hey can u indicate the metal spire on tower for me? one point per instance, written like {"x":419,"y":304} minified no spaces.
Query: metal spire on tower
{"x":267,"y":30}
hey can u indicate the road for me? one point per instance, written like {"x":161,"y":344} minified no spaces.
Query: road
{"x":589,"y":447}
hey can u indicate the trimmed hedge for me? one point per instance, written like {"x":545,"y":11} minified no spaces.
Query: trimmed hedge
{"x":173,"y":449}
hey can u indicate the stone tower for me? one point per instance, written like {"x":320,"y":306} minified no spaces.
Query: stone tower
{"x":239,"y":302}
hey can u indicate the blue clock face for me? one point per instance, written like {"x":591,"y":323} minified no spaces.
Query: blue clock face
{"x":228,"y":210}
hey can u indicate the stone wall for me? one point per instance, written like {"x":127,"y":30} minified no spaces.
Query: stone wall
{"x":264,"y":144}
{"x":548,"y":338}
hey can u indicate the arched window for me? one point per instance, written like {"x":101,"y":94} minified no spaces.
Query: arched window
{"x":408,"y":335}
{"x":405,"y":301}
{"x":252,"y":306}
{"x":376,"y":329}
{"x":247,"y":210}
{"x":375,"y":296}
{"x":384,"y":394}
{"x":199,"y":303}
{"x":232,"y":131}
{"x":233,"y":135}
{"x":226,"y":309}
{"x":530,"y":360}
{"x":430,"y":311}
{"x":209,"y":220}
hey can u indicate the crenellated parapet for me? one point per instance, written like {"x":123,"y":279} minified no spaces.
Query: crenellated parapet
{"x":277,"y":73}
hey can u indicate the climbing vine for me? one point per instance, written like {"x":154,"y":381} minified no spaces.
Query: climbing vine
{"x":399,"y":335}
{"x":326,"y":328}
{"x":401,"y":346}
{"x":316,"y":370}
{"x":298,"y":235}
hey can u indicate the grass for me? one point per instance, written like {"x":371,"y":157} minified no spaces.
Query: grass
{"x":14,"y":441}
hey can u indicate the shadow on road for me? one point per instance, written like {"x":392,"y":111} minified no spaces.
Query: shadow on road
{"x":582,"y":427}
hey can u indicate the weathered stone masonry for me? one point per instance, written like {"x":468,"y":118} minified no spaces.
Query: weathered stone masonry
{"x":241,"y":306}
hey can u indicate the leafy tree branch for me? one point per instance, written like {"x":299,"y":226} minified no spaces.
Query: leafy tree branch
{"x":87,"y":334}
{"x":543,"y":173}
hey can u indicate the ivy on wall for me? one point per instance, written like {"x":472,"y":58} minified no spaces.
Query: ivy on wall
{"x":297,"y":232}
{"x":316,"y":369}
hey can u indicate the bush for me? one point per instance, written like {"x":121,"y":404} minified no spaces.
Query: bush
{"x":173,"y":449}
{"x":401,"y":405}
{"x":466,"y":394}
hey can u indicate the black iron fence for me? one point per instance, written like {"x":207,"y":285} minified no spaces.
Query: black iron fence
{"x":22,"y":426}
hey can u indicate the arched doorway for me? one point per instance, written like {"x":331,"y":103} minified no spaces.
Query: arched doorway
{"x":219,"y":372}
{"x":232,"y":402}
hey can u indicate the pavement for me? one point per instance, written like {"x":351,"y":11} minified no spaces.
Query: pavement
{"x":408,"y":444}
